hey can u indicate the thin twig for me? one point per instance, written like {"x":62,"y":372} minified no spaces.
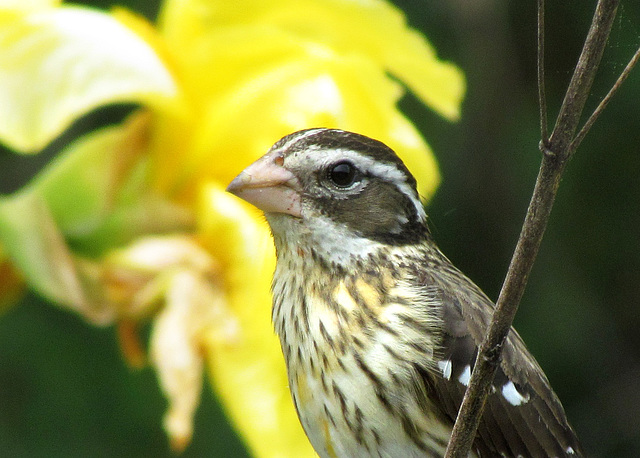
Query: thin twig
{"x":554,"y":159}
{"x":542,"y":97}
{"x":582,"y":78}
{"x":603,"y":103}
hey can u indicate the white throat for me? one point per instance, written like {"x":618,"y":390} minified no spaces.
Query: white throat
{"x":335,"y":244}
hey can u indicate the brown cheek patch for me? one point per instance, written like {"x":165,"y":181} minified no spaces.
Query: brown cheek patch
{"x":374,"y":211}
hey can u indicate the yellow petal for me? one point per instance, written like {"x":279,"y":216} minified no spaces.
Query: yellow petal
{"x":57,"y":64}
{"x":403,"y":137}
{"x":333,"y":91}
{"x":248,"y":373}
{"x":176,"y":354}
{"x":173,"y":281}
{"x":380,"y":33}
{"x":28,"y":5}
{"x":284,"y":72}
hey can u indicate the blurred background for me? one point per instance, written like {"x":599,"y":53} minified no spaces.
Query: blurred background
{"x":66,"y":391}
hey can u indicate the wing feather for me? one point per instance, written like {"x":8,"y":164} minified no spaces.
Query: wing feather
{"x":523,"y":416}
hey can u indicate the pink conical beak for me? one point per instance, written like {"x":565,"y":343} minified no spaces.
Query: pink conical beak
{"x":268,"y":185}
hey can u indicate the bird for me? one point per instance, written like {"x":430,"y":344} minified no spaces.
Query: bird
{"x":378,"y":329}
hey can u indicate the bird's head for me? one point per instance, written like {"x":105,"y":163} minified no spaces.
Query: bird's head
{"x":345,"y":192}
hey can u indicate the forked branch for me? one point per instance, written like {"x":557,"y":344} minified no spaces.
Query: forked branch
{"x":557,"y":150}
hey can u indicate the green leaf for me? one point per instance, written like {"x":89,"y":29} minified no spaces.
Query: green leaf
{"x":97,"y":190}
{"x":80,"y":185}
{"x":33,"y":241}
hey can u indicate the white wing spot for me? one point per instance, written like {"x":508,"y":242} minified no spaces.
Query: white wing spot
{"x":445,"y":367}
{"x":465,"y":376}
{"x":570,"y":451}
{"x":511,"y":394}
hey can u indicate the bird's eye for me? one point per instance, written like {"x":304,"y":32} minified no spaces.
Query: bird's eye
{"x":343,"y":174}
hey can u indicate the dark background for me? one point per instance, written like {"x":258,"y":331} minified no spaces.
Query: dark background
{"x":65,"y":391}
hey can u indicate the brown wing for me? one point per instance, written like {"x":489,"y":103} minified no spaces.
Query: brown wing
{"x":523,"y":416}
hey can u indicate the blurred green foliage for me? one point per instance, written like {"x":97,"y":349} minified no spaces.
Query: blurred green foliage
{"x":65,"y":390}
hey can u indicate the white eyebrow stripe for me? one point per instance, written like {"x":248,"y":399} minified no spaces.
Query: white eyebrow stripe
{"x":372,"y":167}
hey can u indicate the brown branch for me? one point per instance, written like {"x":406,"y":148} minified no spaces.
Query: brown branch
{"x":555,"y":156}
{"x":582,"y":79}
{"x":542,"y":97}
{"x":603,"y":103}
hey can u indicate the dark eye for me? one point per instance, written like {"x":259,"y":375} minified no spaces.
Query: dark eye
{"x":343,"y":174}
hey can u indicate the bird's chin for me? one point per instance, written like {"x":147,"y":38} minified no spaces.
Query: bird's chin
{"x":288,"y":231}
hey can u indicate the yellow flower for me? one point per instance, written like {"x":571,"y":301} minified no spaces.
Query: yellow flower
{"x":131,"y":222}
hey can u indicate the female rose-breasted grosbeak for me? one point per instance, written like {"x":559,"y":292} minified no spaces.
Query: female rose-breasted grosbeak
{"x":378,"y":329}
